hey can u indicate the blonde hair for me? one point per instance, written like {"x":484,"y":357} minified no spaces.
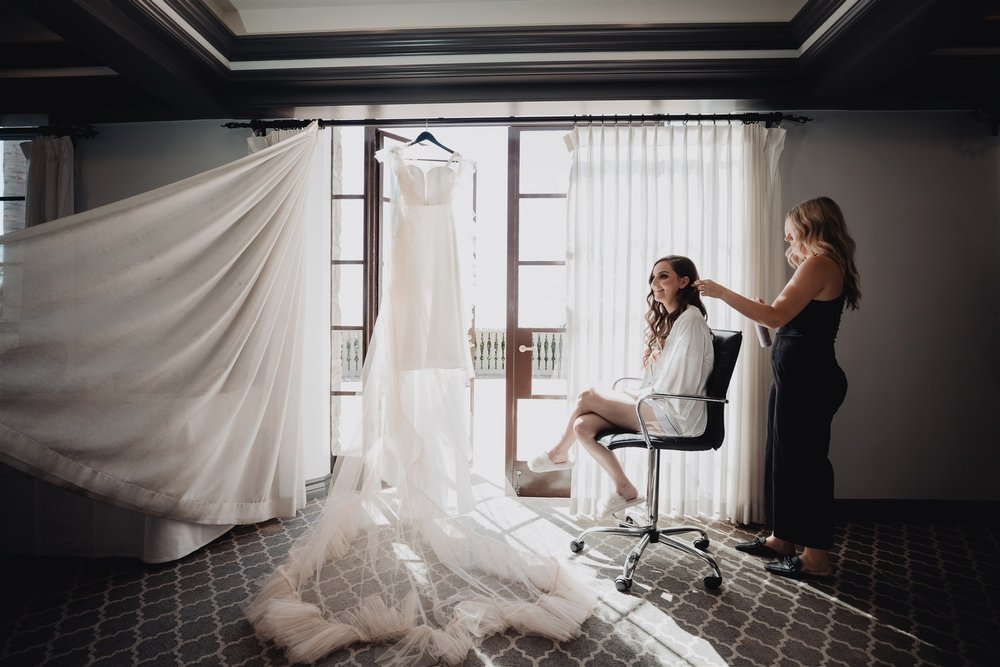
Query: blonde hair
{"x":820,"y":229}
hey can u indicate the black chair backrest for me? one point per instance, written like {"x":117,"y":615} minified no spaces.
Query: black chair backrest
{"x":726,"y":345}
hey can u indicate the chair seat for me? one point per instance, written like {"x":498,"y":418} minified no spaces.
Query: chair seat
{"x":616,"y":439}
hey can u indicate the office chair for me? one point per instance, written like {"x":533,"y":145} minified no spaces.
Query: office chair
{"x":726,"y":345}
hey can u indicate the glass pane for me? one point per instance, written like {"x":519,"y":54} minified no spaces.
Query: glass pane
{"x":353,"y":161}
{"x":546,"y":387}
{"x":348,"y":229}
{"x":545,"y":162}
{"x":346,"y":288}
{"x":542,"y":230}
{"x":345,"y":418}
{"x":345,"y":360}
{"x":540,"y":424}
{"x":489,"y":429}
{"x":15,"y":170}
{"x":541,"y":296}
{"x":14,"y":167}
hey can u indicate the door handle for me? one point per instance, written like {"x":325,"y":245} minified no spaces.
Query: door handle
{"x":525,"y":348}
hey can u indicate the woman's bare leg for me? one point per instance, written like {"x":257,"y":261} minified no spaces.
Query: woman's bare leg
{"x":596,"y":411}
{"x":616,"y":408}
{"x":588,"y":426}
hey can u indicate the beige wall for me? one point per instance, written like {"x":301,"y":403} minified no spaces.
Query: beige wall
{"x":921,"y":194}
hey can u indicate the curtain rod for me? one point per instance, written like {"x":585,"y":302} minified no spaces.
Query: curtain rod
{"x":32,"y":131}
{"x":259,"y":126}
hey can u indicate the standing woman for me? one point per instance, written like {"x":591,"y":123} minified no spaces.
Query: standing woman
{"x":808,"y":388}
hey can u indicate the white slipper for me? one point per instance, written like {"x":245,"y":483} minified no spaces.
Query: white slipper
{"x":613,"y":503}
{"x":542,"y":463}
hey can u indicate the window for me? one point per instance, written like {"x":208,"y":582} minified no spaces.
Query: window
{"x":12,"y":196}
{"x":347,"y":253}
{"x":12,"y":190}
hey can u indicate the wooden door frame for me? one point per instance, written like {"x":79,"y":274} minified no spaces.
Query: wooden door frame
{"x":523,"y":481}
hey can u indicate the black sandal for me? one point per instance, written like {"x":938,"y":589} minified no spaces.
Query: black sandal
{"x":758,"y":548}
{"x":791,"y":567}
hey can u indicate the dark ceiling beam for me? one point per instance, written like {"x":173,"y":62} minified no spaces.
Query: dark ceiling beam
{"x":878,"y":40}
{"x":124,"y":37}
{"x":812,"y":15}
{"x":252,"y":93}
{"x":83,"y":100}
{"x":41,"y":56}
{"x":523,"y":39}
{"x":206,"y":23}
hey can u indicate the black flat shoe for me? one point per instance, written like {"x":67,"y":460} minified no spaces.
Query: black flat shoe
{"x":758,"y":548}
{"x":791,"y":567}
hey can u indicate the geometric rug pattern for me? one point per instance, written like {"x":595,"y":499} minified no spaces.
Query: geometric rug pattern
{"x":904,"y":594}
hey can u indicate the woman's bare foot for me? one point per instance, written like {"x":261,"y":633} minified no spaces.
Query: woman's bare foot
{"x":816,"y":562}
{"x":557,"y":456}
{"x":781,"y":547}
{"x":627,"y":491}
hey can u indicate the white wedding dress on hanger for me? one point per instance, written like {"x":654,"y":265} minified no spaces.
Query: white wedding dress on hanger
{"x":398,"y":557}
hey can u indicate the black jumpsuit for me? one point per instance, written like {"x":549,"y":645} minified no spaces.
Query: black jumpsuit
{"x":808,"y":388}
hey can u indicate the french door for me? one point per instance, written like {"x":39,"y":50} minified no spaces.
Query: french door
{"x":536,"y":305}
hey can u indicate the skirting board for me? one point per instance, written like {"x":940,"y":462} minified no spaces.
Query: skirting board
{"x":318,"y":488}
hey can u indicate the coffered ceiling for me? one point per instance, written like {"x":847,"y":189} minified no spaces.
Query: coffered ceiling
{"x":118,"y":60}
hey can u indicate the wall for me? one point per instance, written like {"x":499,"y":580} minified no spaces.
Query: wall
{"x":129,"y":158}
{"x":921,"y":194}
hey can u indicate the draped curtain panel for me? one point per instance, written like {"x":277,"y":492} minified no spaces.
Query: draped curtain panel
{"x":50,"y":183}
{"x":639,"y":193}
{"x":151,"y":350}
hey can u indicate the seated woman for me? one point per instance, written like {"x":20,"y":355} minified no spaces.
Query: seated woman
{"x":678,"y":359}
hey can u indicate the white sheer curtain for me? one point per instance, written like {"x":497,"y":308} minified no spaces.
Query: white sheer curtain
{"x":638,"y":193}
{"x":316,"y":269}
{"x":155,"y":360}
{"x":49,"y":192}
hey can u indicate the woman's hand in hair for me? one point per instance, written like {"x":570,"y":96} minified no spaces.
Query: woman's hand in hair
{"x":710,"y":288}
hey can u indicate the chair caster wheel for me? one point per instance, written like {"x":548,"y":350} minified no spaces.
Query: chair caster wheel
{"x":623,"y":584}
{"x":576,"y":547}
{"x":701,"y":543}
{"x":713,"y":582}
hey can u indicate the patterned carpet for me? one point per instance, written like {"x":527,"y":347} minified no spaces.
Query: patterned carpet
{"x":905,"y":594}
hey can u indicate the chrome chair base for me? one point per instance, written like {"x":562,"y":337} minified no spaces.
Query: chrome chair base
{"x":647,"y":534}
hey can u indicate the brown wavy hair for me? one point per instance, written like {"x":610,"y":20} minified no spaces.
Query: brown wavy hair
{"x":658,"y":320}
{"x":820,"y":229}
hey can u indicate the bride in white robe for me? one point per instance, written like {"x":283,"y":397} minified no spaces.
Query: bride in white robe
{"x":396,"y":557}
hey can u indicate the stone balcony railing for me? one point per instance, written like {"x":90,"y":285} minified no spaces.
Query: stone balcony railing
{"x":489,"y":354}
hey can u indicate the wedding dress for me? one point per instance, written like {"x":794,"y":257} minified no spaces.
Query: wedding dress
{"x":397,"y":557}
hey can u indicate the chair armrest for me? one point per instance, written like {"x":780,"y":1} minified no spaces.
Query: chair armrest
{"x":660,"y":396}
{"x":690,"y":397}
{"x":619,"y":381}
